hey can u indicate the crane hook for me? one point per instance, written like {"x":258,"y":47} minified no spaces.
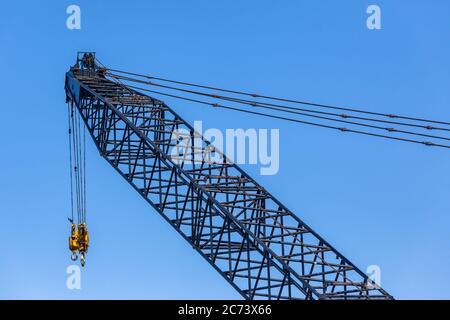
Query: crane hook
{"x":79,"y":242}
{"x":82,"y":259}
{"x":74,"y":256}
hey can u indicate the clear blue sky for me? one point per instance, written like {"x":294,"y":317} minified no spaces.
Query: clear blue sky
{"x":379,"y":202}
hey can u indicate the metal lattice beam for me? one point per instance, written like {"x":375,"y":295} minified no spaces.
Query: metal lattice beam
{"x":259,"y":246}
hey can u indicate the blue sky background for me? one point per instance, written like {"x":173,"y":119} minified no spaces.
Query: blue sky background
{"x":378,"y":202}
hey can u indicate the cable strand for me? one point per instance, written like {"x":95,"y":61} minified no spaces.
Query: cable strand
{"x":282,"y":99}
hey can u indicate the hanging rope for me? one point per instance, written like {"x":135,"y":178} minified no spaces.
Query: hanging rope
{"x":79,"y":239}
{"x":69,"y":108}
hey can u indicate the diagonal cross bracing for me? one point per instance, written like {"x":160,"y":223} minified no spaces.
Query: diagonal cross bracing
{"x":259,"y":246}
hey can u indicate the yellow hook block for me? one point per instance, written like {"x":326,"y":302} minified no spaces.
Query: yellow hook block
{"x":79,"y":241}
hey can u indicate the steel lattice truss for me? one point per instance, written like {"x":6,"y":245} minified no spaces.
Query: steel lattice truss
{"x":260,"y":247}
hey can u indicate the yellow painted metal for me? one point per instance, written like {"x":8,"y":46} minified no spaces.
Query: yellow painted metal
{"x":79,"y":240}
{"x":83,"y":238}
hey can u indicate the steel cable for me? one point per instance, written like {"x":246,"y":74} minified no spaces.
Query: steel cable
{"x":282,"y":99}
{"x":277,"y":108}
{"x":427,"y":143}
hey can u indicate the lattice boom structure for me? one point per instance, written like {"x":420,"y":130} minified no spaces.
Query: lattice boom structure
{"x":260,"y":247}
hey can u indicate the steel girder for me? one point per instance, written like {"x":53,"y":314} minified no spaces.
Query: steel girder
{"x":259,"y":246}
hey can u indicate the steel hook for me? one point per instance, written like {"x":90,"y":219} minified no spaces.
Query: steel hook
{"x":74,"y":256}
{"x":82,"y":259}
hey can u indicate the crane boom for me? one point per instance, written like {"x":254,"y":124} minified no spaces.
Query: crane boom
{"x":258,"y":245}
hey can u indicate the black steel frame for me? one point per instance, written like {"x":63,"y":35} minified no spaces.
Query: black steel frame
{"x":259,"y":246}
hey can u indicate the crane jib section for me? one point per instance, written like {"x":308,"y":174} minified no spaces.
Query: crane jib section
{"x":259,"y":246}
